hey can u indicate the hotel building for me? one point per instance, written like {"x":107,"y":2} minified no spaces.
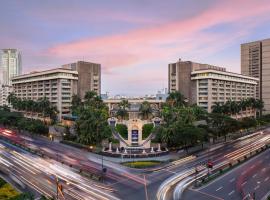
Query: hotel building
{"x":58,"y":85}
{"x":255,"y":62}
{"x":204,"y":84}
{"x":89,"y":76}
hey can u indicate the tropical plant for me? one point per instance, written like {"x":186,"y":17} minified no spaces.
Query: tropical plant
{"x":122,"y":111}
{"x":122,"y":130}
{"x":92,"y":126}
{"x":147,"y":130}
{"x":145,"y":109}
{"x":176,"y":99}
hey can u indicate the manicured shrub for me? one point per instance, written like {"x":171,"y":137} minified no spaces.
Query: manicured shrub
{"x":122,"y":130}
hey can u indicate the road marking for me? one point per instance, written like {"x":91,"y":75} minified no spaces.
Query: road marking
{"x":210,"y":195}
{"x":231,"y":193}
{"x":263,"y":169}
{"x":248,"y":195}
{"x":256,"y":187}
{"x":252,"y":166}
{"x":254,"y":175}
{"x":266,"y":179}
{"x":219,"y":188}
{"x":168,"y":171}
{"x":232,"y":180}
{"x":244,"y":183}
{"x":243,"y":172}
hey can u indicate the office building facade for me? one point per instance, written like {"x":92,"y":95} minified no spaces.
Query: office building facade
{"x":89,"y":75}
{"x":255,"y":62}
{"x":204,"y":84}
{"x":58,"y":85}
{"x":10,"y":65}
{"x":5,"y":90}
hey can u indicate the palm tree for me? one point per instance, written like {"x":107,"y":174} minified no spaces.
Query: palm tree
{"x":176,"y":99}
{"x":145,"y":109}
{"x":122,"y":112}
{"x":124,"y":104}
{"x":11,"y":98}
{"x":217,"y":108}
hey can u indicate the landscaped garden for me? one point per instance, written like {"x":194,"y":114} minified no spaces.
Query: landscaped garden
{"x":142,"y":164}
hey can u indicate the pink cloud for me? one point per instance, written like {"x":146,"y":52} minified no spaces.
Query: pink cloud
{"x":163,"y":41}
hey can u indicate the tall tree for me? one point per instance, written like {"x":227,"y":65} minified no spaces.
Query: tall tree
{"x":176,"y":99}
{"x":145,"y":109}
{"x":92,"y":126}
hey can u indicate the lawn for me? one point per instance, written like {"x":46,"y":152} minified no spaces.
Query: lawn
{"x":141,"y":164}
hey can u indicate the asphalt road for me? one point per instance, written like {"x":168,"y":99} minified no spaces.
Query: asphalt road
{"x":249,"y":179}
{"x":132,"y":184}
{"x":41,"y":174}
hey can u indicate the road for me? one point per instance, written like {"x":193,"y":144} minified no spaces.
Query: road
{"x":227,"y":154}
{"x":249,"y":179}
{"x":41,"y":174}
{"x":138,"y":184}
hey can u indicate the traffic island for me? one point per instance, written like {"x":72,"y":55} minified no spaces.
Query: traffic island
{"x":142,"y":164}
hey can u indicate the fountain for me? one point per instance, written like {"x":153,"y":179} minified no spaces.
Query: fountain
{"x":152,"y":150}
{"x":125,"y":152}
{"x":117,"y":150}
{"x":144,"y":151}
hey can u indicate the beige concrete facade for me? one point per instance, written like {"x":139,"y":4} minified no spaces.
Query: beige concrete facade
{"x":89,"y":76}
{"x":255,"y":62}
{"x":58,"y":85}
{"x":5,"y":90}
{"x":204,"y":84}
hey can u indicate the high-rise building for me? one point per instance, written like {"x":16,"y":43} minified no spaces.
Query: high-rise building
{"x":204,"y":84}
{"x":255,"y":62}
{"x":10,"y":65}
{"x":89,"y":76}
{"x":5,"y":90}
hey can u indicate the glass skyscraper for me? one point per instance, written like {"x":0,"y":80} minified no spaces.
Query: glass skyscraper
{"x":10,"y":65}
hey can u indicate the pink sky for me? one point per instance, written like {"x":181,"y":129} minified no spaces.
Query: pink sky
{"x":134,"y":43}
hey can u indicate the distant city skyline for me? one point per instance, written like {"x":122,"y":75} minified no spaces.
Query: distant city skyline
{"x":134,"y":41}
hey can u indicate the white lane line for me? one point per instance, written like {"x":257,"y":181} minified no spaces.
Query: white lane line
{"x":248,"y":195}
{"x":243,"y":172}
{"x":264,"y":169}
{"x":231,"y":193}
{"x":244,"y":183}
{"x":266,"y":179}
{"x":252,"y":166}
{"x":166,"y":170}
{"x":219,"y":188}
{"x":254,"y":175}
{"x":232,"y":180}
{"x":256,"y":187}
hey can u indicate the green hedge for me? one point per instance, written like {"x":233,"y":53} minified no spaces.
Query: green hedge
{"x":122,"y":130}
{"x":147,"y":130}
